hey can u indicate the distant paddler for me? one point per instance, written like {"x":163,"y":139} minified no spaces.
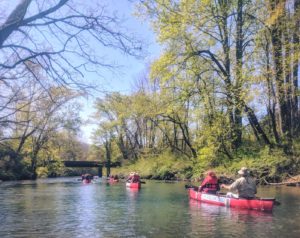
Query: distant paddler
{"x":87,"y":178}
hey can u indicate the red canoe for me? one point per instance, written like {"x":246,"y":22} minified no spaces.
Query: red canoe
{"x":133,"y":185}
{"x":86,"y":181}
{"x":261,"y":204}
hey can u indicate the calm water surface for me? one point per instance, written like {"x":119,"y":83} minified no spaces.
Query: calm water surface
{"x":66,"y":208}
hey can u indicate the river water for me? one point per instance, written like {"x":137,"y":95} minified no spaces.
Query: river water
{"x":64,"y":207}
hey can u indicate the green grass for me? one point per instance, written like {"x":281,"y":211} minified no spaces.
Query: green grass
{"x":164,"y":166}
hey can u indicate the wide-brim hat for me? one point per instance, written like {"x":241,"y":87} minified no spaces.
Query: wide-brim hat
{"x":243,"y":171}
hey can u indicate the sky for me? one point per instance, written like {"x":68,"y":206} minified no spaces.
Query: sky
{"x":130,"y":68}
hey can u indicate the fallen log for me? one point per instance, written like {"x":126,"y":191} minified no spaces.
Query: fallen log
{"x":283,"y":183}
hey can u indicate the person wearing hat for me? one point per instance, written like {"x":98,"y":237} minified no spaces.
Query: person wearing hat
{"x":133,"y":177}
{"x":210,"y":183}
{"x":130,"y":177}
{"x":245,"y":186}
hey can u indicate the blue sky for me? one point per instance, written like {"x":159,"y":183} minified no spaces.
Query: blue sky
{"x":130,"y":69}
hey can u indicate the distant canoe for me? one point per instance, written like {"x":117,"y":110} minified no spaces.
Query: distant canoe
{"x":133,"y":185}
{"x":111,"y":180}
{"x":86,"y":181}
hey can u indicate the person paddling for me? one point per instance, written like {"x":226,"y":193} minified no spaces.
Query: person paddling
{"x":245,"y":186}
{"x":136,"y":178}
{"x":130,"y":177}
{"x":210,"y":183}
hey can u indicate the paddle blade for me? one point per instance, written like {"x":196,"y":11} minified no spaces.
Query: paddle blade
{"x":277,"y":203}
{"x":190,"y":186}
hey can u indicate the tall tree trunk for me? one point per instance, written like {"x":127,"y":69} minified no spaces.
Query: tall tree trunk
{"x":108,"y":156}
{"x":239,"y":74}
{"x":34,"y":159}
{"x":185,"y":133}
{"x":277,"y":47}
{"x":271,"y":96}
{"x":122,"y":146}
{"x":224,"y":5}
{"x":288,"y":81}
{"x":296,"y":61}
{"x":175,"y":137}
{"x":256,"y":125}
{"x":152,"y":135}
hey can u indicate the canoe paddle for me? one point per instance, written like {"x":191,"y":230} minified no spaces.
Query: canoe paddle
{"x":187,"y":186}
{"x":277,"y":203}
{"x":143,"y":182}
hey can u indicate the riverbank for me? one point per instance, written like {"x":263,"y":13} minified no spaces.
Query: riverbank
{"x":266,"y":167}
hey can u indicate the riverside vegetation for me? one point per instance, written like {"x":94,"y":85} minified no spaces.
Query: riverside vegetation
{"x":223,"y":94}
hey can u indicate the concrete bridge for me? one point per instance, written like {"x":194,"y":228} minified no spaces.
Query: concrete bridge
{"x":93,"y":164}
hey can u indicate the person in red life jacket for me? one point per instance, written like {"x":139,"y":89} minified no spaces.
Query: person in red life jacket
{"x":113,"y":178}
{"x":87,"y":178}
{"x":210,"y":183}
{"x":130,"y":177}
{"x":136,"y":178}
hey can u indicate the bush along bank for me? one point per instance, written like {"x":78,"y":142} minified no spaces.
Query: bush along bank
{"x":166,"y":166}
{"x":268,"y":167}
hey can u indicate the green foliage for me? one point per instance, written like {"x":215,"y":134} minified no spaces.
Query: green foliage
{"x":42,"y":172}
{"x":164,"y":166}
{"x":198,"y":108}
{"x":264,"y":163}
{"x":12,"y":167}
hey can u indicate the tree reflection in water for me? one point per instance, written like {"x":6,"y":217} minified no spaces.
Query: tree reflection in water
{"x":215,"y":220}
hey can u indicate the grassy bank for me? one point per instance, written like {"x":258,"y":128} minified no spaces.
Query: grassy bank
{"x":164,"y":166}
{"x":266,"y":166}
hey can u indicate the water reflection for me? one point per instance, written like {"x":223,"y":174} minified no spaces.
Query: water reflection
{"x":204,"y":217}
{"x":219,"y":220}
{"x":66,"y":208}
{"x":214,"y":210}
{"x":132,"y":193}
{"x":250,"y":215}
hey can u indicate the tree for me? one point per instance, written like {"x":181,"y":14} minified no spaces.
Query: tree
{"x":281,"y":24}
{"x":51,"y":45}
{"x":39,"y":121}
{"x":204,"y":30}
{"x":56,"y":43}
{"x":55,"y":33}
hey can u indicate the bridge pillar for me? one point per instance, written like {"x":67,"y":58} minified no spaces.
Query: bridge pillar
{"x":100,"y":171}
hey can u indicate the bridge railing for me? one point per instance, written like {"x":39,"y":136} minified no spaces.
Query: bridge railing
{"x":91,"y":164}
